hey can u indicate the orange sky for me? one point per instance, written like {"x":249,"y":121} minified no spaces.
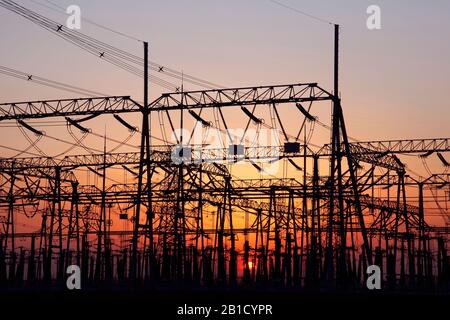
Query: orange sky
{"x":393,"y":80}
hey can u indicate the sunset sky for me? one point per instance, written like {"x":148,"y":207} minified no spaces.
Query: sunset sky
{"x":392,"y":81}
{"x":392,"y":84}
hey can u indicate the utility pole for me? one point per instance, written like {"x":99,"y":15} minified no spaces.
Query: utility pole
{"x":341,"y":129}
{"x":339,"y":138}
{"x":335,"y":156}
{"x":144,"y":147}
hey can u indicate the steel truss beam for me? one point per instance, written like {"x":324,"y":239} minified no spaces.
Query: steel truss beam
{"x":199,"y":154}
{"x":190,"y":100}
{"x":302,"y":92}
{"x":406,"y":146}
{"x":67,"y":107}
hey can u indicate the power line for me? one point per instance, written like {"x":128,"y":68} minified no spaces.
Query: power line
{"x":62,"y":10}
{"x":302,"y":12}
{"x":120,"y":58}
{"x":47,"y":82}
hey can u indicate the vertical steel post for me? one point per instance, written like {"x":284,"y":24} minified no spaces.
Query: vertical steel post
{"x":145,"y":132}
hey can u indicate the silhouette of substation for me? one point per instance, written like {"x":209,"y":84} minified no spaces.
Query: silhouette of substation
{"x":190,"y":220}
{"x":317,"y":230}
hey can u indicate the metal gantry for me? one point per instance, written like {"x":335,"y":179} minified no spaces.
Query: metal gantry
{"x":187,"y":215}
{"x":205,"y":226}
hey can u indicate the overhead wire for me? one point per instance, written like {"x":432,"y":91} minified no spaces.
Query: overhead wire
{"x":304,"y":13}
{"x":47,"y":82}
{"x":88,"y":44}
{"x":97,"y":47}
{"x":61,"y":9}
{"x":111,"y":54}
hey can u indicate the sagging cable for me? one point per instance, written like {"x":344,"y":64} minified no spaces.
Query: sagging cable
{"x":129,"y":170}
{"x":75,"y":124}
{"x":357,"y":165}
{"x":398,"y":161}
{"x":296,"y":166}
{"x":105,"y":166}
{"x":200,"y":119}
{"x":125,"y":124}
{"x":443,"y":160}
{"x":256,"y":166}
{"x":251,"y":115}
{"x":305,"y":113}
{"x":136,"y":174}
{"x":220,"y":168}
{"x":92,"y":116}
{"x":382,"y":154}
{"x":95,"y":171}
{"x":27,"y":126}
{"x":440,"y":186}
{"x":427,"y":154}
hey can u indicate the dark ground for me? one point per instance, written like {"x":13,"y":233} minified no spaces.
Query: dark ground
{"x":163,"y":304}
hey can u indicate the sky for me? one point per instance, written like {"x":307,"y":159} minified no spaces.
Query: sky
{"x":392,"y":81}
